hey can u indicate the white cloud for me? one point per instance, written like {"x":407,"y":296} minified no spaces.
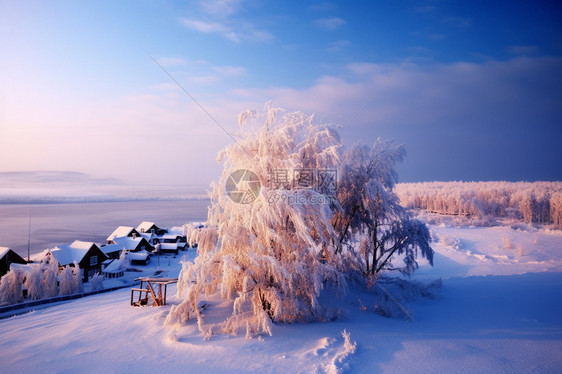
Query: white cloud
{"x":230,"y":70}
{"x":455,"y":119}
{"x":330,"y":23}
{"x":211,"y":28}
{"x":172,"y":61}
{"x":220,"y":8}
{"x":258,"y":35}
{"x":241,"y":30}
{"x":445,"y":113}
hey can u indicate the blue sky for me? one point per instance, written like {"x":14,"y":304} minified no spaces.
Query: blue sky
{"x":472,"y":88}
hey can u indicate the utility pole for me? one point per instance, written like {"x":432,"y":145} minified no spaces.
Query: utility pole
{"x":29,"y":237}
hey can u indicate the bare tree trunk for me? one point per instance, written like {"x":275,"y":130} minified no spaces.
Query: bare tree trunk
{"x":338,"y":249}
{"x":375,"y":247}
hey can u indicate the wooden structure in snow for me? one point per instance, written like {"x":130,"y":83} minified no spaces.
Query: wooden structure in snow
{"x":159,"y":298}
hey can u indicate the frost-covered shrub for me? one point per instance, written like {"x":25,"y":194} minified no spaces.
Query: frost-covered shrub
{"x":41,"y":280}
{"x":66,"y":281}
{"x":449,"y":241}
{"x":96,"y":282}
{"x":50,"y":268}
{"x":70,"y":280}
{"x":34,"y":282}
{"x":11,"y":287}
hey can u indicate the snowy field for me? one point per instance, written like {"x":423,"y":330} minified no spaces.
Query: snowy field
{"x":499,"y":310}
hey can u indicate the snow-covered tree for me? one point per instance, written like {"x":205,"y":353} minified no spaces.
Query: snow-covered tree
{"x":50,"y":267}
{"x":11,"y":287}
{"x":273,"y":257}
{"x":70,"y":280}
{"x":66,"y":281}
{"x":34,"y":282}
{"x":77,"y":279}
{"x":41,"y":280}
{"x":96,"y":282}
{"x":372,"y":225}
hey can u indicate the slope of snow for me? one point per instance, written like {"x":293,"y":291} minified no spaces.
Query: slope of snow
{"x":500,"y":310}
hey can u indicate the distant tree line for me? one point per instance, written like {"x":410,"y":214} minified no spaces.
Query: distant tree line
{"x":532,"y":202}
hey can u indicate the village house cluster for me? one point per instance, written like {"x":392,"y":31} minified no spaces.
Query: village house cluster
{"x":134,"y":245}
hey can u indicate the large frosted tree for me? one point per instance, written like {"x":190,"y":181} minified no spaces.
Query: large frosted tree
{"x":373,"y":228}
{"x":271,"y":255}
{"x":278,"y":236}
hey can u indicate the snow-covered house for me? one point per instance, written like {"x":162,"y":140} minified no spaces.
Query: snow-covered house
{"x":123,"y":231}
{"x":112,"y":251}
{"x":112,"y":268}
{"x":151,"y":237}
{"x":133,"y":244}
{"x":8,"y":257}
{"x":148,"y":227}
{"x":172,"y":243}
{"x":138,"y":258}
{"x":86,"y":254}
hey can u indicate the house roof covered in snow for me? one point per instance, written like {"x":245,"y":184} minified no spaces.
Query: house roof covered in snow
{"x":110,"y":248}
{"x":146,"y":226}
{"x":114,"y":266}
{"x":68,"y":253}
{"x":171,"y":236}
{"x":126,"y":242}
{"x":122,"y":231}
{"x":140,"y":255}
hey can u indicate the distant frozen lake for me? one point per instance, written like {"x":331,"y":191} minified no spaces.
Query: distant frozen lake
{"x":53,"y":224}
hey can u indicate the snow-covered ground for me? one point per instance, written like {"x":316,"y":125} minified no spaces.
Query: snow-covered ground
{"x":500,"y":310}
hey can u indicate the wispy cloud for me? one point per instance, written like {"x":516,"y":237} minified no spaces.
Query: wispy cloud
{"x":241,"y":30}
{"x":323,"y":7}
{"x":220,"y":8}
{"x":172,"y":61}
{"x":330,"y":23}
{"x":338,"y":45}
{"x":458,"y":108}
{"x":211,"y":28}
{"x":230,"y":70}
{"x":258,"y":35}
{"x":523,"y":50}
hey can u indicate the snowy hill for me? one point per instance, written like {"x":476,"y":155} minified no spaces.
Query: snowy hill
{"x":500,"y":310}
